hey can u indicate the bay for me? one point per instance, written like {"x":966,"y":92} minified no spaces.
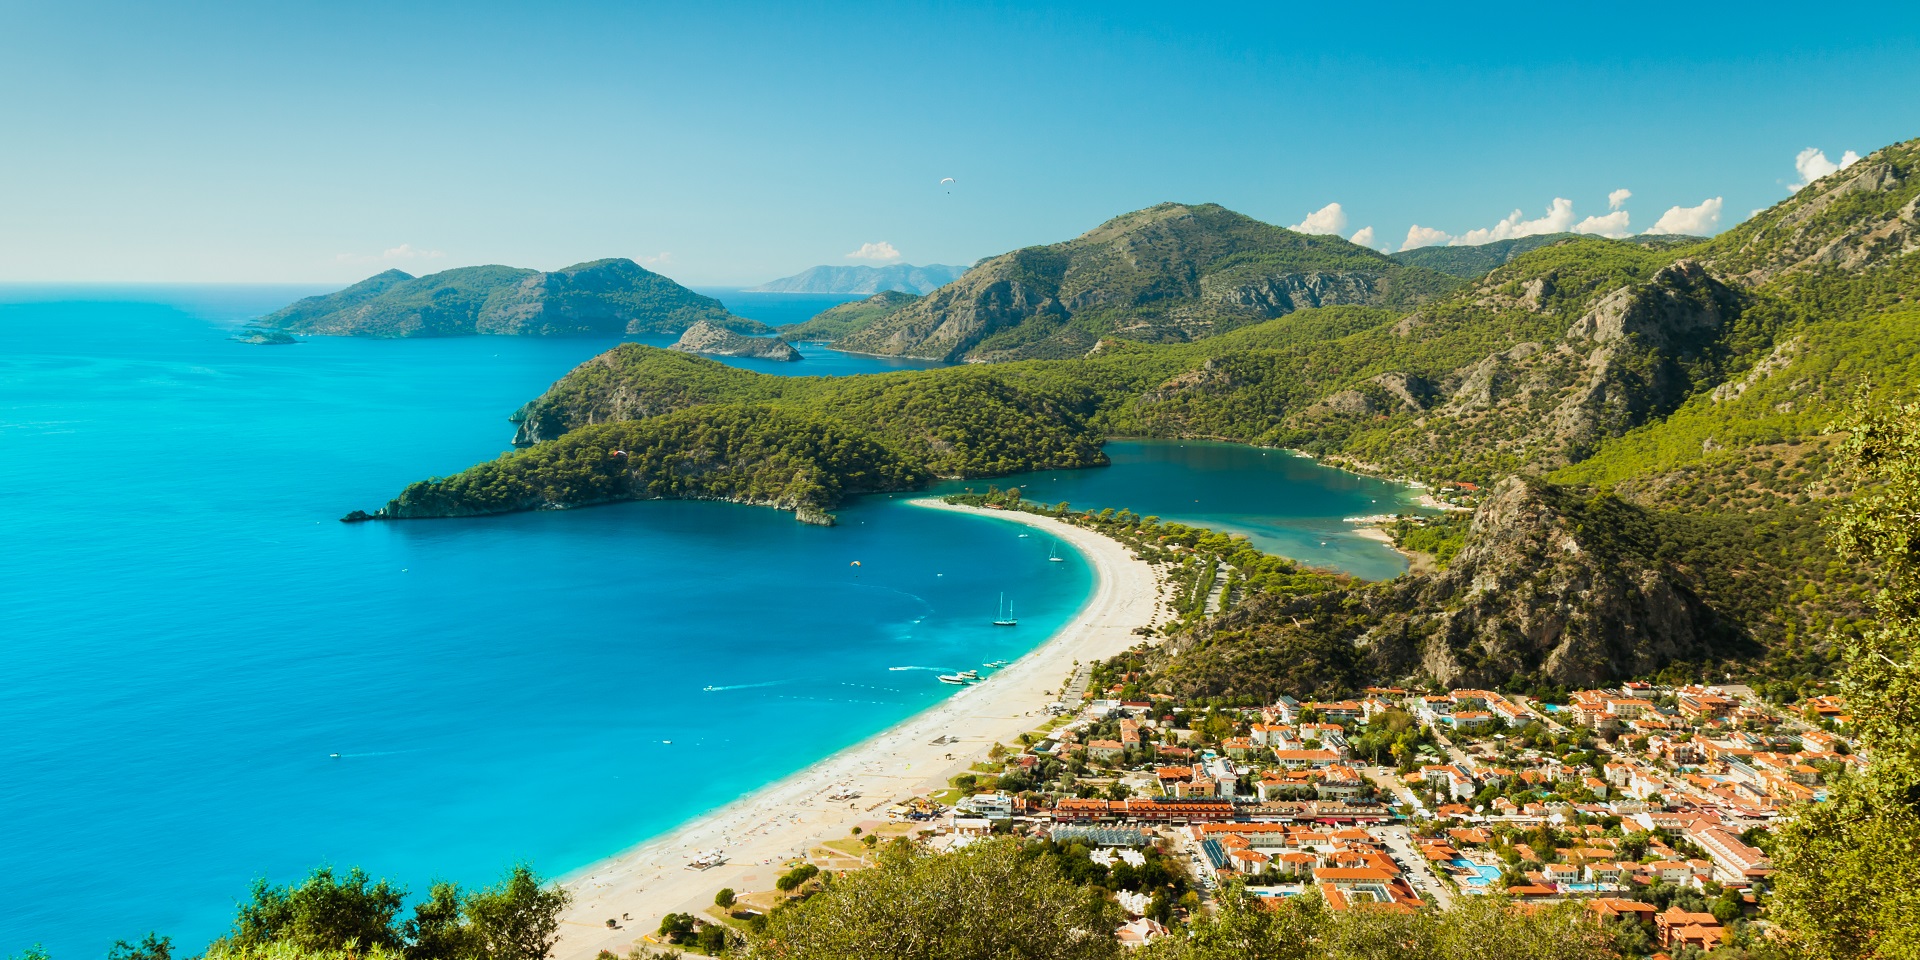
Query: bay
{"x":204,"y":678}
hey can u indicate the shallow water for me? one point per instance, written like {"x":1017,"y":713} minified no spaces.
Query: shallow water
{"x":1285,"y":503}
{"x":187,"y":637}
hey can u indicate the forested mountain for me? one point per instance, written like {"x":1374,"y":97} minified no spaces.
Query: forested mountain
{"x":601,"y":298}
{"x":836,"y":323}
{"x":1169,"y":273}
{"x":904,"y":277}
{"x":1471,"y":261}
{"x":1653,"y":424}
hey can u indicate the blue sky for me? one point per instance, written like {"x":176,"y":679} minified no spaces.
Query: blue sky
{"x":724,"y":143}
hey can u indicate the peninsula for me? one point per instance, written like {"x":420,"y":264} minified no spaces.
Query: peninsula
{"x":705,"y":337}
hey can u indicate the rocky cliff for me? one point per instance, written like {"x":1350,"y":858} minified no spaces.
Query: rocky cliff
{"x":1549,"y":587}
{"x":1866,"y":214}
{"x":704,"y":337}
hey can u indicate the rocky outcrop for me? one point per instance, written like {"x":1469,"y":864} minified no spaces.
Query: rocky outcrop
{"x":1866,"y":214}
{"x":1677,"y":304}
{"x":264,"y":337}
{"x":1270,"y":297}
{"x":1546,"y":586}
{"x":704,"y":337}
{"x":1644,"y":341}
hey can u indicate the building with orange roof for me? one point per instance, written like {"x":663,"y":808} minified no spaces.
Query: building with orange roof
{"x":1615,"y":909}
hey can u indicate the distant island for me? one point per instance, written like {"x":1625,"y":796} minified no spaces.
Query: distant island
{"x":264,"y":337}
{"x":904,"y":277}
{"x":704,"y":337}
{"x":602,"y":298}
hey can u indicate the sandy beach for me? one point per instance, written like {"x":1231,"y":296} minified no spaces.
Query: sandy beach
{"x":784,"y":819}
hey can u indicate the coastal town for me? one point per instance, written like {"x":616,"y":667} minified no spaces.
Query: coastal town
{"x":1649,"y":805}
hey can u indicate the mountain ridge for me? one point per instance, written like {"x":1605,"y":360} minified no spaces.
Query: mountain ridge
{"x":828,"y":278}
{"x":1651,"y":421}
{"x":1168,"y":273}
{"x":610,"y":297}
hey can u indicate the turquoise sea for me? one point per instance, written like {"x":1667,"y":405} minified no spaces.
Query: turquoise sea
{"x":188,"y":637}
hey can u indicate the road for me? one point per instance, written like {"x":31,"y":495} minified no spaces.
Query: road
{"x":1390,"y":783}
{"x":1400,"y":845}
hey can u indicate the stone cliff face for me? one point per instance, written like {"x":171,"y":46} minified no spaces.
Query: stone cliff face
{"x":704,"y":337}
{"x":1866,"y":214}
{"x":1549,"y":587}
{"x":1271,"y":297}
{"x":1542,"y":588}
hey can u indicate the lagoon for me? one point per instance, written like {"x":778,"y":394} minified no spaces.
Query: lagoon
{"x":190,"y":637}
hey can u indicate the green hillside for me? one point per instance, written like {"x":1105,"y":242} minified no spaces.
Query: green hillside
{"x":841,"y":322}
{"x":600,"y":298}
{"x":1651,"y":428}
{"x":1170,"y":273}
{"x":1477,"y":260}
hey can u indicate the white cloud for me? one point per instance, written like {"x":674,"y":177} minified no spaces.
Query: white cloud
{"x":1618,"y":198}
{"x":400,"y":254}
{"x":1363,"y":236}
{"x":1559,"y":219}
{"x":875,"y":251}
{"x":1419,"y":236}
{"x":663,"y":256}
{"x":1693,"y":221}
{"x":1612,"y":225}
{"x":1813,"y":164}
{"x":1327,"y":219}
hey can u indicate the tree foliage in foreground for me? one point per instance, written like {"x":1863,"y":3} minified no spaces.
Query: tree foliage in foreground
{"x":350,"y":915}
{"x":1246,"y":927}
{"x":1849,"y":880}
{"x":986,"y":901}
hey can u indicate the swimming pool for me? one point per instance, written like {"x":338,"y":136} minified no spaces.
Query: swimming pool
{"x":1481,"y":875}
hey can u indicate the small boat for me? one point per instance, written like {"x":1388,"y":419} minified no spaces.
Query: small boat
{"x":1023,"y":536}
{"x":1053,"y":554}
{"x":954,"y":678}
{"x":1006,"y":618}
{"x":969,"y":674}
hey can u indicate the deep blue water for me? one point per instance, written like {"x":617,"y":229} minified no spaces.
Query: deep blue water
{"x":777,"y":309}
{"x":187,"y":634}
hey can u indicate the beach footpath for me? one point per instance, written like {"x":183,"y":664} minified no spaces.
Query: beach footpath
{"x":764,"y":830}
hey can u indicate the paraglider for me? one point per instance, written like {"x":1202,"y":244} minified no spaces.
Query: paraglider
{"x":855,"y":563}
{"x":946,"y":180}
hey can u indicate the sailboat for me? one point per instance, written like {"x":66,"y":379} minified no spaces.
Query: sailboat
{"x":1007,"y":619}
{"x":1053,"y":554}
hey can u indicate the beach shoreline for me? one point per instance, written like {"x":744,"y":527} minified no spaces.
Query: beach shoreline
{"x":786,"y":818}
